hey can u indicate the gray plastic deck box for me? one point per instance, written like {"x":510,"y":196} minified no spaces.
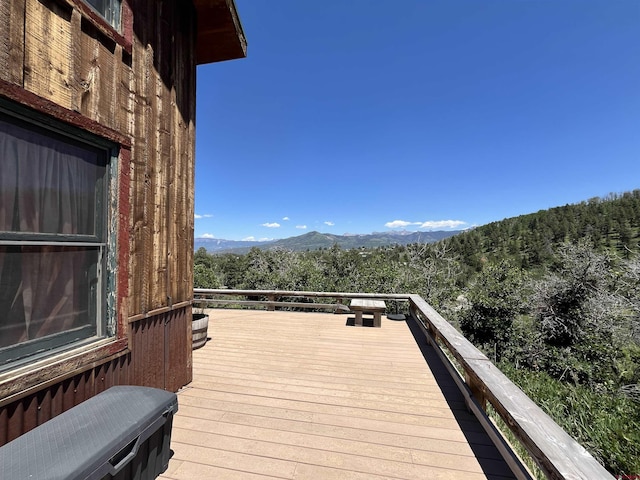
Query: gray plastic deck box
{"x":121,"y":433}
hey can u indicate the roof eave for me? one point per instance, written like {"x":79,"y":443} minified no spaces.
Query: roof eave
{"x":220,"y":35}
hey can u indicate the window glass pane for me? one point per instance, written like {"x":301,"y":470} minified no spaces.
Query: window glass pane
{"x":53,"y":237}
{"x":48,"y":185}
{"x":109,"y":9}
{"x":45,"y":291}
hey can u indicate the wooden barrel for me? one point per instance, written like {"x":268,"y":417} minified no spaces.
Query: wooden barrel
{"x":199,"y":326}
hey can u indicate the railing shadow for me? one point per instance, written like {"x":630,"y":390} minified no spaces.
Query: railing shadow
{"x":485,"y":451}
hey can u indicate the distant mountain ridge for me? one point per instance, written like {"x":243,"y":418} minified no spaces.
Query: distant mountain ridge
{"x":316,"y":240}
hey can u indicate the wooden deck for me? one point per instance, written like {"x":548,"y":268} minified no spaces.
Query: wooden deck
{"x":307,"y":396}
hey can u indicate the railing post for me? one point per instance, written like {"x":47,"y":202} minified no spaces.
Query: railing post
{"x":477,"y":390}
{"x":271,"y":307}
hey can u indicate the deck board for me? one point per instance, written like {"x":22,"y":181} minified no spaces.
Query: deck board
{"x":306,"y":396}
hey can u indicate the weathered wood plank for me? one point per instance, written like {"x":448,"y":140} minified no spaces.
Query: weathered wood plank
{"x":203,"y":292}
{"x":557,"y":453}
{"x":178,"y":353}
{"x":75,"y":60}
{"x":181,"y":177}
{"x":188,"y":112}
{"x":106,"y":81}
{"x":367,"y":305}
{"x":141,"y":159}
{"x":125,"y":94}
{"x":88,"y":71}
{"x":269,"y":304}
{"x":12,"y":16}
{"x":47,"y":51}
{"x":161,"y":206}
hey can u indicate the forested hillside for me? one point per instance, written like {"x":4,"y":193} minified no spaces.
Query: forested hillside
{"x":609,"y":224}
{"x":552,"y":297}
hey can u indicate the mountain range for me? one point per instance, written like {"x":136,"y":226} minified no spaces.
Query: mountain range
{"x":316,"y":240}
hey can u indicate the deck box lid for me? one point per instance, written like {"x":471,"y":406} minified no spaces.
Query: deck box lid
{"x":82,"y":442}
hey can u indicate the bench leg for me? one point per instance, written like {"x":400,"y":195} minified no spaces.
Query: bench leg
{"x":358,"y":320}
{"x":377,"y":319}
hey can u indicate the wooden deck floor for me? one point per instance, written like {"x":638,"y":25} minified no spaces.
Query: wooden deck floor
{"x":305,"y":396}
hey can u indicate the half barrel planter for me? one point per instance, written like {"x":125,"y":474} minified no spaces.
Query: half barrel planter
{"x":199,"y":326}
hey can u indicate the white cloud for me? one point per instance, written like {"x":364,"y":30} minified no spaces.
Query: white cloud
{"x":249,"y":239}
{"x":271,"y":225}
{"x":330,"y":224}
{"x":442,"y":224}
{"x":427,"y":224}
{"x":285,"y":218}
{"x":400,"y":223}
{"x":197,"y":216}
{"x":301,"y":227}
{"x":207,"y":235}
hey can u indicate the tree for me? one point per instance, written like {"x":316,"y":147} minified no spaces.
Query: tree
{"x":562,"y":297}
{"x":205,"y":274}
{"x":494,"y":301}
{"x":576,"y":310}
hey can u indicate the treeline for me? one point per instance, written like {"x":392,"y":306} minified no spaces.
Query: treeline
{"x":552,"y":297}
{"x":611,"y":223}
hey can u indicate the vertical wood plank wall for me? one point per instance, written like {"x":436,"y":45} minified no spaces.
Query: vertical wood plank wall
{"x":146,"y":92}
{"x":163,"y":73}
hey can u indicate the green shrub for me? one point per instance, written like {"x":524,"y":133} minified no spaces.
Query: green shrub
{"x":607,"y":425}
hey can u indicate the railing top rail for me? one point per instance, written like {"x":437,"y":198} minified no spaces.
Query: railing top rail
{"x":557,"y":453}
{"x":203,"y":292}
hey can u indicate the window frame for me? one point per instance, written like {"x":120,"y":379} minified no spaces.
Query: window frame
{"x":104,"y":316}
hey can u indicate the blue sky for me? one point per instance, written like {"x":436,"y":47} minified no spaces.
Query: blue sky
{"x":355,"y":116}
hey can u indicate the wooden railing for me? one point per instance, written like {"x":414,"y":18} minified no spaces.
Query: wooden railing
{"x":555,"y":452}
{"x":276,"y":298}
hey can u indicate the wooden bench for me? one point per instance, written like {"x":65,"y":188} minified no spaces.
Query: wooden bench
{"x":366,"y":305}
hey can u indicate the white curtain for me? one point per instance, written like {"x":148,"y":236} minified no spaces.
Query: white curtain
{"x":47,"y":186}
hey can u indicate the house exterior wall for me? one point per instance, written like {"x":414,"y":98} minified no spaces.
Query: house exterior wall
{"x":136,"y":88}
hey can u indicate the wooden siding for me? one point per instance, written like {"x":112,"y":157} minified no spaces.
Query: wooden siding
{"x":25,"y":414}
{"x":134,"y":87}
{"x":146,"y":93}
{"x":168,"y":367}
{"x":163,"y":66}
{"x":177,"y":349}
{"x":137,"y":89}
{"x":12,"y":41}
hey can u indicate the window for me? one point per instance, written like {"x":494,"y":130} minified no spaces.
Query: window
{"x":53,"y":239}
{"x":109,"y":9}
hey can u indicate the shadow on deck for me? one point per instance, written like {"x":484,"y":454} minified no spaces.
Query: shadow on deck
{"x":492,"y":463}
{"x":306,"y":396}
